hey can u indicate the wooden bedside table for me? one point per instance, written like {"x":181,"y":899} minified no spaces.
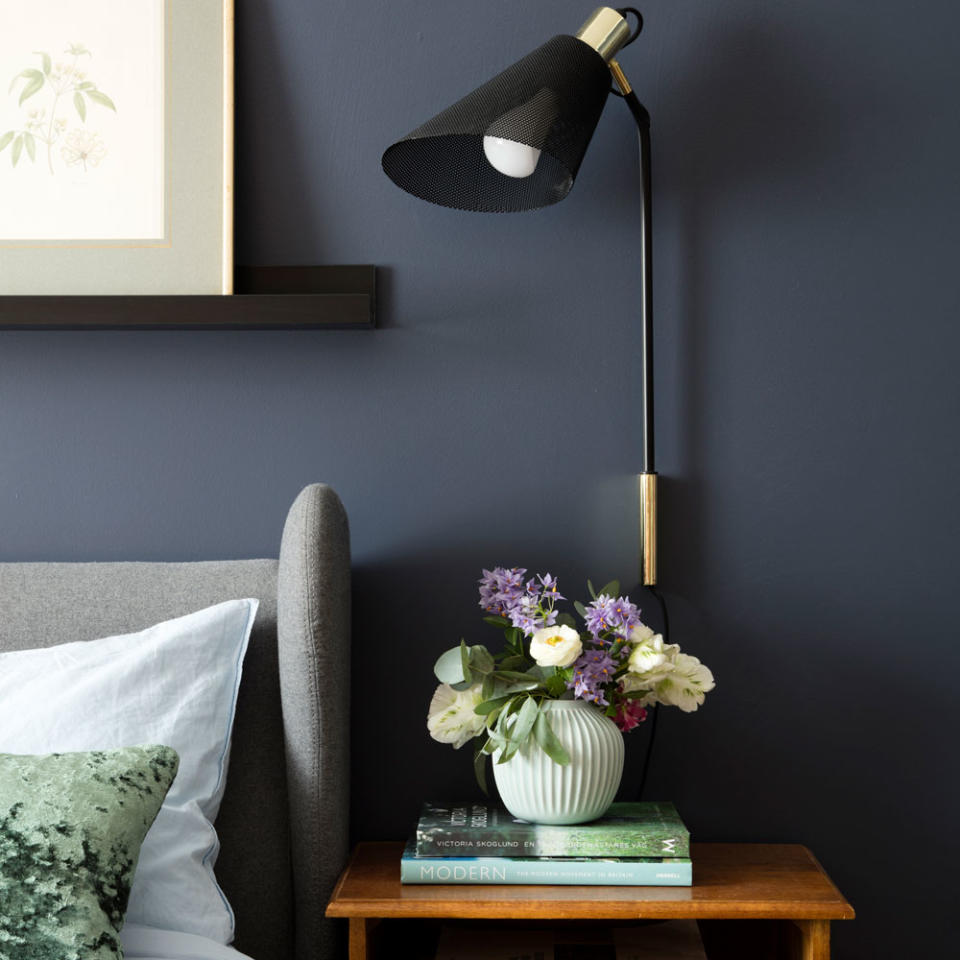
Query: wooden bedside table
{"x":731,"y":881}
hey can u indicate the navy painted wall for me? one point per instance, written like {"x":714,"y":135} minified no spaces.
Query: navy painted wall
{"x":806,"y":248}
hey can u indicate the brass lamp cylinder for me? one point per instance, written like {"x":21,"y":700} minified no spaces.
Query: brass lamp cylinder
{"x":606,"y":31}
{"x":648,"y":528}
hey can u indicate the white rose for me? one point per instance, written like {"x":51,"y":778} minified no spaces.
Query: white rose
{"x":686,"y":683}
{"x":451,"y":719}
{"x":555,"y":646}
{"x":651,"y":653}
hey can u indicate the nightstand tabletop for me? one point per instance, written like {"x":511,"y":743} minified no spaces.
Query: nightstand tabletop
{"x":730,"y":881}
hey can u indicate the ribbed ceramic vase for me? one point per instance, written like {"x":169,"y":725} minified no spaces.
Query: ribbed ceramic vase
{"x":535,"y":788}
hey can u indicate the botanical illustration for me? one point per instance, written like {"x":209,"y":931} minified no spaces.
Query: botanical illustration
{"x":51,"y":94}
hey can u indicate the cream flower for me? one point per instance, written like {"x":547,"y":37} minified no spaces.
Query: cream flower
{"x":640,"y":633}
{"x":451,"y":719}
{"x":651,"y":653}
{"x":555,"y":646}
{"x":686,"y":684}
{"x":83,"y":146}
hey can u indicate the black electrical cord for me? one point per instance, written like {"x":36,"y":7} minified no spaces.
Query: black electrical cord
{"x":665,"y":620}
{"x":623,"y":11}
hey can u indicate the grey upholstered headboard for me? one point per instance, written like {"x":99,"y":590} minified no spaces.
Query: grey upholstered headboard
{"x":283,"y":823}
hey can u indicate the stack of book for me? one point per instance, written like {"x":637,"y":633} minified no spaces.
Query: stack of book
{"x":634,"y":844}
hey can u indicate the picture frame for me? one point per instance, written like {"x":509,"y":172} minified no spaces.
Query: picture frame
{"x":116,"y":147}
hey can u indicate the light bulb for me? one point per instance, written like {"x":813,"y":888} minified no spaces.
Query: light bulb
{"x":511,"y":158}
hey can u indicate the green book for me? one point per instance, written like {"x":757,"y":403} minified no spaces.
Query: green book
{"x":643,"y":829}
{"x":594,"y":871}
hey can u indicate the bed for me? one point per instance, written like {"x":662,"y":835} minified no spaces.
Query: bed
{"x":283,"y":823}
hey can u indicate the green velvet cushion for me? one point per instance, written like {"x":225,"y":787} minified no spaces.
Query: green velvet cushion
{"x":71,"y":825}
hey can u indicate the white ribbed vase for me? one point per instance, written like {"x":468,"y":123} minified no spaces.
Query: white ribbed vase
{"x":535,"y":788}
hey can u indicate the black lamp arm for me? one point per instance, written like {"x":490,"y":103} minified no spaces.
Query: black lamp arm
{"x":647,"y":479}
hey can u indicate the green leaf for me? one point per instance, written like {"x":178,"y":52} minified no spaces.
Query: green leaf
{"x":556,"y":685}
{"x":488,"y":687}
{"x":448,"y":668}
{"x":480,"y":659}
{"x":612,"y":589}
{"x":497,"y":621}
{"x":86,"y":85}
{"x":5,"y":139}
{"x":514,"y":676}
{"x":525,"y":720}
{"x":548,"y":741}
{"x":513,"y":635}
{"x":514,"y":662}
{"x":45,"y":60}
{"x":480,"y":766}
{"x":465,"y":662}
{"x":97,"y":97}
{"x":80,"y":104}
{"x":31,"y":146}
{"x":34,"y":86}
{"x":488,"y":706}
{"x":593,"y":593}
{"x":580,"y":608}
{"x":566,"y":620}
{"x":17,"y":149}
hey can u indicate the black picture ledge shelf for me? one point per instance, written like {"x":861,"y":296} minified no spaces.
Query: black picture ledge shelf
{"x":265,"y":298}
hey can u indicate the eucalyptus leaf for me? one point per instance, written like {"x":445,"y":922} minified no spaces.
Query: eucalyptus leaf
{"x":495,"y":621}
{"x":488,"y":688}
{"x":514,"y":676}
{"x":488,"y":706}
{"x":513,"y":635}
{"x":566,"y":620}
{"x":465,"y":662}
{"x":514,"y":662}
{"x":97,"y":97}
{"x":592,"y":592}
{"x":525,"y":720}
{"x":481,"y":659}
{"x":548,"y":741}
{"x":17,"y":149}
{"x":462,"y":685}
{"x":480,"y":769}
{"x":6,"y":138}
{"x":81,"y":105}
{"x":448,"y":668}
{"x":580,"y":608}
{"x":31,"y":146}
{"x":612,"y":589}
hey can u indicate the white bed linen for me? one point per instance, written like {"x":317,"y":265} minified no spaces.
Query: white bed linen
{"x":151,"y":943}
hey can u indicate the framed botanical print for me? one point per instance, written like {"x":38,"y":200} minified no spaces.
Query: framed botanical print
{"x":116,"y":147}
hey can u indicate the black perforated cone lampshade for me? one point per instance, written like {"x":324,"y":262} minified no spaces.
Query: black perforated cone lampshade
{"x":550,"y":100}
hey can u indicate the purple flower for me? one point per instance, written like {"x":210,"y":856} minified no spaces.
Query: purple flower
{"x":550,"y":587}
{"x":593,"y":671}
{"x":607,"y":618}
{"x":600,"y":616}
{"x":501,"y":590}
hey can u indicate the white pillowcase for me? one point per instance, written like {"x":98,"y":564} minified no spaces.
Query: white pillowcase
{"x":175,"y":683}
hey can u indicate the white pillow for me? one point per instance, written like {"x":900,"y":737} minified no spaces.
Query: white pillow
{"x":176,"y":684}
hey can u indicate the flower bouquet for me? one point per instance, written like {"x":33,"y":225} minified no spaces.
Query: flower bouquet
{"x":614,"y":665}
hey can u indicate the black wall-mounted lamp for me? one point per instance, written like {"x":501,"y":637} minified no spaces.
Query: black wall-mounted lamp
{"x":517,"y":142}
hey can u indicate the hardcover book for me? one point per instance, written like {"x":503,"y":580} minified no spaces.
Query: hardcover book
{"x":594,"y":871}
{"x":643,"y":829}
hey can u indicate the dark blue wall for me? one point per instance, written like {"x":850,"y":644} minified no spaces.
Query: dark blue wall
{"x":806,"y":247}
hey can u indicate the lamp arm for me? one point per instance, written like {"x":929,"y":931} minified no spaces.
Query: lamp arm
{"x":647,"y":479}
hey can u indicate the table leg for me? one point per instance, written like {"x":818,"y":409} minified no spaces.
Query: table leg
{"x":361,"y":929}
{"x":815,"y":939}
